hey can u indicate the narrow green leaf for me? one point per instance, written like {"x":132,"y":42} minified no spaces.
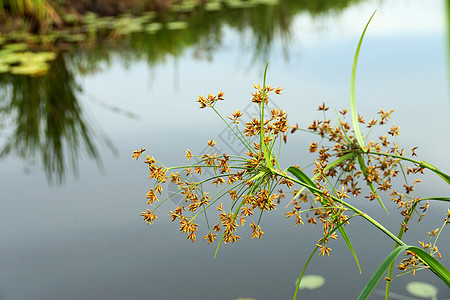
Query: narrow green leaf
{"x":261,"y":117}
{"x":444,"y":176}
{"x":303,"y":178}
{"x":354,"y":113}
{"x":350,"y":246}
{"x":267,"y":156}
{"x":444,"y":199}
{"x":338,"y":161}
{"x":374,"y":191}
{"x":260,"y":174}
{"x":434,"y":265}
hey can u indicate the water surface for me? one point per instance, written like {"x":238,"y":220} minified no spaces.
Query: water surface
{"x":83,"y":238}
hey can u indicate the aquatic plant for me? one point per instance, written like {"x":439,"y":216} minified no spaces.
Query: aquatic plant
{"x":248,"y":186}
{"x":40,"y":12}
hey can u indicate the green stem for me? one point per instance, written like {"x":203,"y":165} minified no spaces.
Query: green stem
{"x":422,"y":164}
{"x":248,"y":146}
{"x":391,"y":266}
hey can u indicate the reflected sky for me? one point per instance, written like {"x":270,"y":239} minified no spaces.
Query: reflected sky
{"x":86,"y":240}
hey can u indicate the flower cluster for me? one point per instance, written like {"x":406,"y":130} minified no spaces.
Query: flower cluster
{"x":247,"y":181}
{"x":342,"y":165}
{"x":245,"y":187}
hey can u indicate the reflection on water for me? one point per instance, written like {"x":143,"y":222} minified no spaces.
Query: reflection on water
{"x":45,"y":120}
{"x":85,"y":239}
{"x":44,"y":111}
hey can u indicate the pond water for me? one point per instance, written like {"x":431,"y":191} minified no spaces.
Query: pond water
{"x":80,"y":236}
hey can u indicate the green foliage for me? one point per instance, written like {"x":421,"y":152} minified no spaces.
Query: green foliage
{"x":434,"y":265}
{"x":35,"y":8}
{"x":254,"y":178}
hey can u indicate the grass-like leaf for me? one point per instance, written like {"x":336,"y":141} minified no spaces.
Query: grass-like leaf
{"x":308,"y":182}
{"x":350,"y":246}
{"x":444,"y":176}
{"x":346,"y":157}
{"x":353,"y":110}
{"x":303,"y":178}
{"x":430,"y":261}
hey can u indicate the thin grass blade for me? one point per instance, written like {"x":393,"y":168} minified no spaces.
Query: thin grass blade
{"x":354,"y":112}
{"x":350,"y":246}
{"x":303,"y":178}
{"x":337,"y":162}
{"x":434,"y":265}
{"x":444,"y":176}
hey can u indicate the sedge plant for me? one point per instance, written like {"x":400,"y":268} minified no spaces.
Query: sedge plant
{"x":248,"y":186}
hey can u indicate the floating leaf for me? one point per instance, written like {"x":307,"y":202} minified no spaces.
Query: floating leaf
{"x":33,"y":57}
{"x":176,"y":25}
{"x":17,"y":47}
{"x":153,"y":27}
{"x":213,"y":6}
{"x":311,"y":282}
{"x":32,"y":69}
{"x":4,"y":68}
{"x":422,"y":289}
{"x":186,"y":6}
{"x":130,"y":27}
{"x":240,"y":4}
{"x":267,"y":2}
{"x":8,"y":57}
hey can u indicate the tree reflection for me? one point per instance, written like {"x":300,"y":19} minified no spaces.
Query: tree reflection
{"x":45,"y":119}
{"x":258,"y":26}
{"x":42,"y":116}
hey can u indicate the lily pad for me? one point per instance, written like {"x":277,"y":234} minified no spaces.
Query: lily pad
{"x":17,"y":47}
{"x":8,"y":57}
{"x":130,"y":28}
{"x":240,"y":4}
{"x":213,"y":6}
{"x":176,"y":25}
{"x":269,"y":2}
{"x":311,"y":282}
{"x":37,"y":57}
{"x":422,"y":289}
{"x":4,"y":68}
{"x":153,"y":27}
{"x":31,"y":69}
{"x":185,"y":6}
